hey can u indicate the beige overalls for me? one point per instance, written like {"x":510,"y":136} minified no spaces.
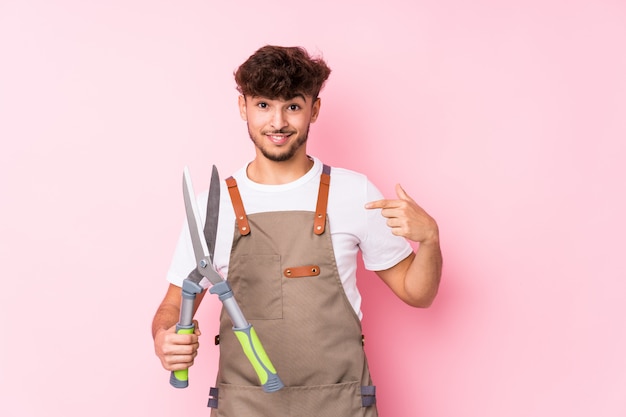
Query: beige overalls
{"x":284,"y":276}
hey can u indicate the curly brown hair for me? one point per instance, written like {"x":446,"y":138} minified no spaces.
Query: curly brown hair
{"x":279,"y":72}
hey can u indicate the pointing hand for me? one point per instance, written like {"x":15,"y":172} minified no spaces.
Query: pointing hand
{"x":406,"y":218}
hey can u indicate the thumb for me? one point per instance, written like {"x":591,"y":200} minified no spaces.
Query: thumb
{"x":197,"y":328}
{"x":401,"y":193}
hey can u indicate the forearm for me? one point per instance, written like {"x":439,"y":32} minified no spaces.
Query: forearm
{"x":415,"y":279}
{"x":166,"y":316}
{"x":168,"y":313}
{"x":423,"y":275}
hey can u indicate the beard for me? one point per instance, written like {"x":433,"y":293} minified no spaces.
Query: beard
{"x":282,"y":154}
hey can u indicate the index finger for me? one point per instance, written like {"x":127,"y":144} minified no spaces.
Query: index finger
{"x":379,"y":204}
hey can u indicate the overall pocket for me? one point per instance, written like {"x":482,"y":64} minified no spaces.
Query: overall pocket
{"x":260,"y":292}
{"x":335,"y":400}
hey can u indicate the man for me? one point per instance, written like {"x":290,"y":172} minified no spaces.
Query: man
{"x":292,"y":259}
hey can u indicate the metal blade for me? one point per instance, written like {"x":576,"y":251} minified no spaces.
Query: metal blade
{"x":200,"y":249}
{"x":194,"y":221}
{"x":213,"y":211}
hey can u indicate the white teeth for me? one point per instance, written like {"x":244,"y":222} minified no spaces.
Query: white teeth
{"x":278,"y":138}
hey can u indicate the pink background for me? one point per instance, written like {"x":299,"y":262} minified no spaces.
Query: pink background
{"x":506,"y":120}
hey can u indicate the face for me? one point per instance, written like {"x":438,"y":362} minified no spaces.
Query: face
{"x":279,"y":128}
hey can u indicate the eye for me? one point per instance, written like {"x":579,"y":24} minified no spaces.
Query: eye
{"x":262,"y":105}
{"x":294,"y":107}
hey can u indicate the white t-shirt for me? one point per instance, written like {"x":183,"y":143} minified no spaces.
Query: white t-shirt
{"x":352,"y":227}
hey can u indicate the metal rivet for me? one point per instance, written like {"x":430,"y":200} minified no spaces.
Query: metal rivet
{"x":314,"y":270}
{"x":241,"y":218}
{"x":203,"y":264}
{"x":319,"y":227}
{"x":319,"y":216}
{"x":244,"y":228}
{"x":288,"y":272}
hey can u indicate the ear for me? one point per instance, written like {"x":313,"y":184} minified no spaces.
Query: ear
{"x":242,"y":108}
{"x":315,"y":110}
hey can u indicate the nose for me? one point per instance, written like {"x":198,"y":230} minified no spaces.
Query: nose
{"x":278,"y":119}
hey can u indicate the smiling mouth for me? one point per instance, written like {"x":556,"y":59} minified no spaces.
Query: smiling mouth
{"x":278,"y":138}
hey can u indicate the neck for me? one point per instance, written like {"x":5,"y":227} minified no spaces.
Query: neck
{"x":265,"y":171}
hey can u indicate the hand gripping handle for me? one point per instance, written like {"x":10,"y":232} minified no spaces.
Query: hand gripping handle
{"x":180,"y":379}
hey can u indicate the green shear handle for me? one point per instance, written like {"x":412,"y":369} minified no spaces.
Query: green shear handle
{"x":180,"y":379}
{"x":250,"y":342}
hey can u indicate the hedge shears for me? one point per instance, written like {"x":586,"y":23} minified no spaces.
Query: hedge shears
{"x":205,"y":276}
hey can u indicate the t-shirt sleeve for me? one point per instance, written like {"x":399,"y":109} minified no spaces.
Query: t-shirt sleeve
{"x":381,"y":249}
{"x":184,"y":260}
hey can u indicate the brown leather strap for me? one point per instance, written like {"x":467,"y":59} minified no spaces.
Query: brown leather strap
{"x":240,"y":212}
{"x":322,"y":202}
{"x":302,"y":271}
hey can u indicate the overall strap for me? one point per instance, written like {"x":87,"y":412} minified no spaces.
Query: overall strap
{"x":322,"y":202}
{"x":319,"y":222}
{"x":240,"y":212}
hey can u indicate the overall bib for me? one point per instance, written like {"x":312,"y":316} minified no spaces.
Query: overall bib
{"x":284,"y":276}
